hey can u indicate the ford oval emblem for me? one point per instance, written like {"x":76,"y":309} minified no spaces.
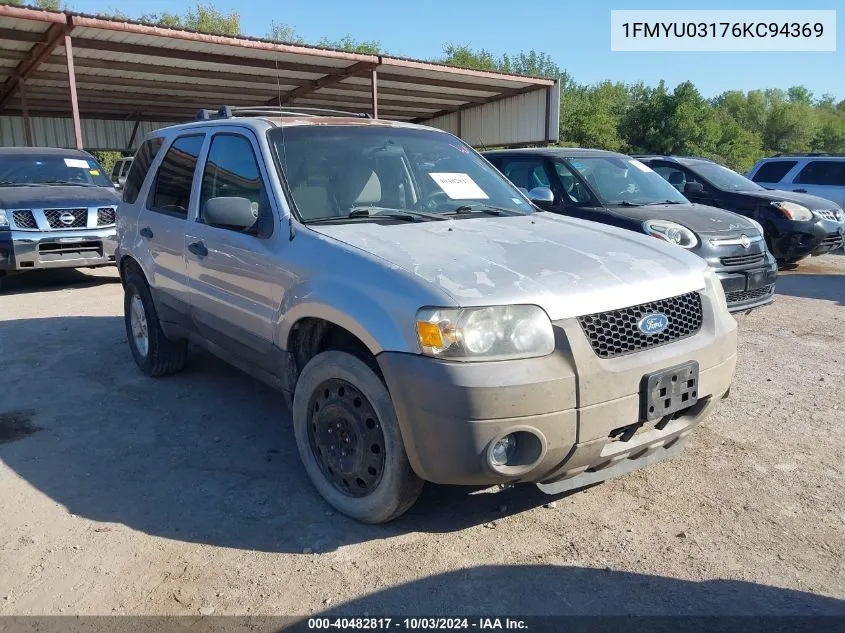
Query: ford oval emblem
{"x":653,"y":323}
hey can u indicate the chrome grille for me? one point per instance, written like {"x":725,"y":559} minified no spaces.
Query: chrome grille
{"x":24,"y":219}
{"x":741,"y":296}
{"x":616,"y":332}
{"x":743,"y":260}
{"x":105,"y":216}
{"x":54,"y":218}
{"x":829,"y":214}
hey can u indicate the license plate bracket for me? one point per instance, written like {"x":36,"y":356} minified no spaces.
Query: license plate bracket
{"x":668,"y":391}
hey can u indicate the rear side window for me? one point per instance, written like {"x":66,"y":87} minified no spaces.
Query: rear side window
{"x":115,"y":172}
{"x":773,"y":171}
{"x":822,"y":172}
{"x":140,"y":166}
{"x":172,"y":191}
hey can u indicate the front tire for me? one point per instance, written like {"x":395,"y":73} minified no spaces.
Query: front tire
{"x":154,"y":353}
{"x":349,"y":440}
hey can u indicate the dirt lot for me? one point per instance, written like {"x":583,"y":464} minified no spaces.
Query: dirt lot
{"x":184,"y":495}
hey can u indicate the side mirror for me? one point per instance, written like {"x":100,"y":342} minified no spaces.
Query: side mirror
{"x":541,"y":195}
{"x":230,"y":212}
{"x":693,"y":188}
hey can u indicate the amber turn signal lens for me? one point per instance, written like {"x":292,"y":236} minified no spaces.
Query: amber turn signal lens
{"x":429,"y":334}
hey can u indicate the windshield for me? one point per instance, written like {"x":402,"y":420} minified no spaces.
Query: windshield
{"x":724,"y":178}
{"x":51,"y":169}
{"x":334,"y":171}
{"x":625,"y":181}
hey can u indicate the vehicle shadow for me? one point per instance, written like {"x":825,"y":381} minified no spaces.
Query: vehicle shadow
{"x":56,"y":279}
{"x":828,"y":287}
{"x":544,"y":590}
{"x":206,"y":455}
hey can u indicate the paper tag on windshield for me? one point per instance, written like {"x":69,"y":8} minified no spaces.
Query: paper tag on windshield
{"x":459,"y":186}
{"x":77,"y":162}
{"x":640,"y":166}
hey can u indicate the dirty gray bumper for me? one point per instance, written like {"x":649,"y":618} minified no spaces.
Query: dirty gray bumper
{"x":570,"y":406}
{"x":33,"y":250}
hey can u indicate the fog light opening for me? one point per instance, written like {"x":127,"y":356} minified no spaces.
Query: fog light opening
{"x":516,"y":452}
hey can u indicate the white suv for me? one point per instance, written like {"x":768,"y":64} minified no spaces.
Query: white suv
{"x":817,"y":174}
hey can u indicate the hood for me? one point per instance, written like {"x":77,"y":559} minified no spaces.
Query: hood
{"x":696,"y":217}
{"x":566,"y":266}
{"x":811,"y":202}
{"x":55,"y":196}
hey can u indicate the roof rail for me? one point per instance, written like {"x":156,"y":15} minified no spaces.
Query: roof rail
{"x":808,"y":154}
{"x":230,"y":112}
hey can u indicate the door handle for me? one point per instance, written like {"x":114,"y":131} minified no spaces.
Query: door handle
{"x":800,"y":190}
{"x":146,"y":232}
{"x":198,"y":249}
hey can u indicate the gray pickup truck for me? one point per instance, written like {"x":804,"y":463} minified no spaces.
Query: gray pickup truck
{"x":424,"y":319}
{"x":57,"y":210}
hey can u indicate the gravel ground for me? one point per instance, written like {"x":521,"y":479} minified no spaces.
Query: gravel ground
{"x":184,"y":495}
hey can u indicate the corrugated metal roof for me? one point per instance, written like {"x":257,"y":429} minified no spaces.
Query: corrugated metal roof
{"x":127,"y":69}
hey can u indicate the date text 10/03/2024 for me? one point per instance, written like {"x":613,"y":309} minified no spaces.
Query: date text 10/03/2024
{"x":415,"y":624}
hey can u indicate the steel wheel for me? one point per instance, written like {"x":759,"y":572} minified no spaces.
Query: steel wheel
{"x":138,"y":321}
{"x":346,"y":438}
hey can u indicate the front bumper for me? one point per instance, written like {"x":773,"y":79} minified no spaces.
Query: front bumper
{"x":792,"y":240}
{"x":748,"y":274}
{"x":572,"y":401}
{"x":33,"y":250}
{"x":832,"y":241}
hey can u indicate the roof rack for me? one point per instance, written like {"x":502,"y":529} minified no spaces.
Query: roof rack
{"x":808,"y":154}
{"x":230,"y":112}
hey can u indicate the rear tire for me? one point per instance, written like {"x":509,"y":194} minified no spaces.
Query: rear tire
{"x":154,"y":353}
{"x":373,"y":482}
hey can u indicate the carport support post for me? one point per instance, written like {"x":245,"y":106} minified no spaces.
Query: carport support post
{"x":374,"y":82}
{"x":74,"y":103}
{"x":27,"y":126}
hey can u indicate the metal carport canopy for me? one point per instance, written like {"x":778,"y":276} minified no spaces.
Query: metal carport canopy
{"x":80,"y":80}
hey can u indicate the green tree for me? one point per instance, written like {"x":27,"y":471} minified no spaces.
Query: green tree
{"x":465,"y":57}
{"x":280,"y":32}
{"x":205,"y":18}
{"x":349,"y":43}
{"x":50,"y":5}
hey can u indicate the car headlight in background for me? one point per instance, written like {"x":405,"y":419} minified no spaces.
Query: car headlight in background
{"x":793,"y":211}
{"x":489,"y":333}
{"x":715,"y":286}
{"x":4,"y":220}
{"x":671,"y":232}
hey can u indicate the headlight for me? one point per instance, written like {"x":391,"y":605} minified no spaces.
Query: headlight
{"x":716,"y":289}
{"x":490,"y":333}
{"x":793,"y":211}
{"x":671,"y":232}
{"x":4,"y":220}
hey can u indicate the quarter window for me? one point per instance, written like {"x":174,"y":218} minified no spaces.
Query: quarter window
{"x":573,"y":190}
{"x":172,"y":192}
{"x":526,"y":173}
{"x":822,"y":172}
{"x":139,"y":169}
{"x":773,"y":171}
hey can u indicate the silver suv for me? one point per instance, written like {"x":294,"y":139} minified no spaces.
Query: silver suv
{"x":425,"y":321}
{"x":820,"y":175}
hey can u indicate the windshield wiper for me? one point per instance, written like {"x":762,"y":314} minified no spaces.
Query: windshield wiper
{"x":626,"y":203}
{"x":489,"y":210}
{"x":649,"y":204}
{"x":64,"y":182}
{"x":378,"y":212}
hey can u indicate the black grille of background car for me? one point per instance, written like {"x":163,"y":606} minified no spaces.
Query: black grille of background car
{"x":616,"y":332}
{"x":80,"y":218}
{"x":24,"y":219}
{"x":105,"y":216}
{"x":831,"y":241}
{"x":741,"y":296}
{"x":828,"y":214}
{"x":743,"y":260}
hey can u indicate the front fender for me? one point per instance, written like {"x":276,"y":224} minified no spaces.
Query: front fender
{"x":380,"y":325}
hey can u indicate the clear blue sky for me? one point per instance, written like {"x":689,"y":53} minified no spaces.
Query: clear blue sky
{"x":575,"y":33}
